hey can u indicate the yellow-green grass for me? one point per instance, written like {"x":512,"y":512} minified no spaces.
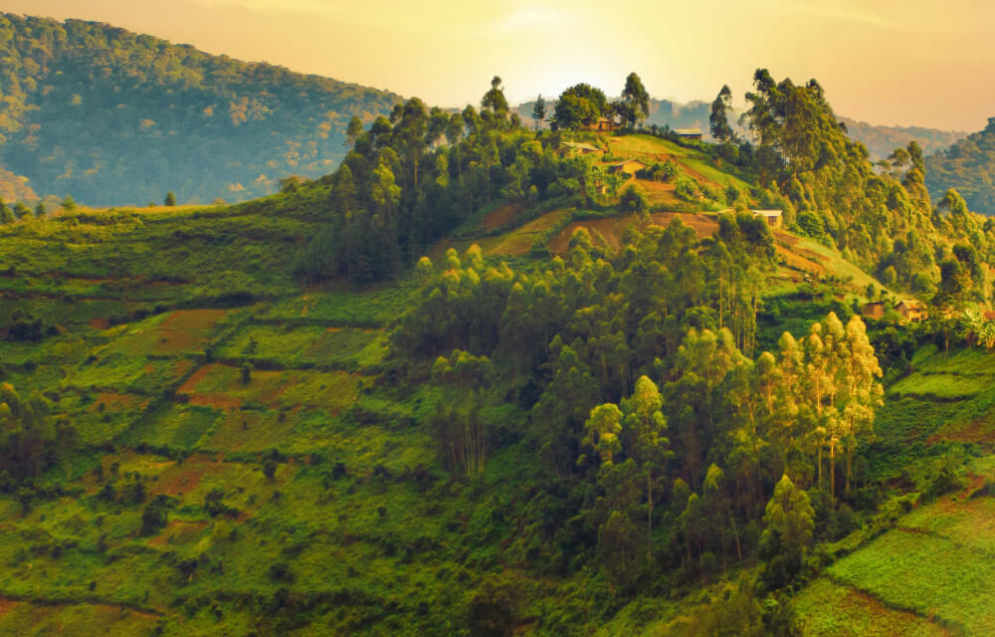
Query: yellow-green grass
{"x":521,"y":240}
{"x":965,"y":361}
{"x":101,"y":417}
{"x":834,"y":262}
{"x":646,"y":145}
{"x":121,"y":373}
{"x":369,"y":308}
{"x":828,"y":609}
{"x":175,"y":333}
{"x":309,"y":344}
{"x":927,"y":574}
{"x":939,"y":386}
{"x":223,"y":387}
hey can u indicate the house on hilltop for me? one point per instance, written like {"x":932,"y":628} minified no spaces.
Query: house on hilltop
{"x":774,"y":218}
{"x":602,"y":125}
{"x":628,"y":166}
{"x":688,"y":133}
{"x":912,"y":311}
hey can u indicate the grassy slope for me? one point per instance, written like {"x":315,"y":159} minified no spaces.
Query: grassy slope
{"x":930,"y":574}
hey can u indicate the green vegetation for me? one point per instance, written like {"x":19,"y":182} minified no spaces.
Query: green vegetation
{"x":472,"y":384}
{"x":113,"y":117}
{"x":968,"y":166}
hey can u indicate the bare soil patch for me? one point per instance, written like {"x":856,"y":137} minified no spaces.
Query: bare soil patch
{"x":501,"y":217}
{"x":183,"y":478}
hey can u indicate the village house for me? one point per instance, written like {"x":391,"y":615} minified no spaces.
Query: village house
{"x":688,"y":133}
{"x":912,"y":311}
{"x":628,"y":166}
{"x":603,"y":125}
{"x":873,"y":310}
{"x":774,"y":218}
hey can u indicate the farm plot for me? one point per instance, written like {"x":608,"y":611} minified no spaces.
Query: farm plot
{"x":225,"y":387}
{"x":176,"y":333}
{"x":833,"y":610}
{"x":307,"y":345}
{"x":927,"y":574}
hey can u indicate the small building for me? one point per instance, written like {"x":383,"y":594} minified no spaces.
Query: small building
{"x":688,"y":133}
{"x":629,"y":167}
{"x":603,"y":125}
{"x":774,"y":218}
{"x":578,"y":148}
{"x":912,"y":311}
{"x":873,"y":310}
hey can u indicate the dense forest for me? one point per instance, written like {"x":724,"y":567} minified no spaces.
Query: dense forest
{"x":111,"y":117}
{"x":968,"y":166}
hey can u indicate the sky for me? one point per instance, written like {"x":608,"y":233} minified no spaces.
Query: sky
{"x":893,"y":62}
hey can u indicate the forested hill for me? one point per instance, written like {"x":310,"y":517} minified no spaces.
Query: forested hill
{"x":112,"y":117}
{"x":882,"y":140}
{"x":968,"y":166}
{"x":879,"y":140}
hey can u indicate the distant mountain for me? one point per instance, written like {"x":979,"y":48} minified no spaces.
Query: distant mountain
{"x":882,"y":140}
{"x":968,"y":166}
{"x":111,"y":117}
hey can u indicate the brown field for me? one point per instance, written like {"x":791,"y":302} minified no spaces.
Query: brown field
{"x":118,"y":402}
{"x":177,"y":479}
{"x":501,"y":217}
{"x":178,"y":531}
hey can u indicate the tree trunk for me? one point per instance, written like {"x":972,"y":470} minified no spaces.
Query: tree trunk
{"x":832,"y":469}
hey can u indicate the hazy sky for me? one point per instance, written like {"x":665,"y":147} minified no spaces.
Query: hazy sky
{"x":908,"y":62}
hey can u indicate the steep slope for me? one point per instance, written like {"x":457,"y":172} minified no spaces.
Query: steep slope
{"x":112,"y":117}
{"x":968,"y":166}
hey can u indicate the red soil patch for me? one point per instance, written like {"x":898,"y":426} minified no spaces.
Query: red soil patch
{"x":99,"y":324}
{"x":501,"y":216}
{"x":978,"y":431}
{"x":611,"y":228}
{"x":220,"y":402}
{"x":7,"y":605}
{"x":194,"y":380}
{"x":185,"y":330}
{"x":180,"y":479}
{"x":118,"y":402}
{"x":192,"y":319}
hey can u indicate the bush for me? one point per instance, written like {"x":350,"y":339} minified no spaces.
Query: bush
{"x":633,"y":200}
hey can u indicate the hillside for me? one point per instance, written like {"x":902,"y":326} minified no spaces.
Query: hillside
{"x":112,"y":117}
{"x":478,"y":381}
{"x":968,"y":166}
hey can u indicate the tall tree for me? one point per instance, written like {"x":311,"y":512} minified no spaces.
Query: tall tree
{"x":539,"y":111}
{"x":636,"y":99}
{"x":719,"y":119}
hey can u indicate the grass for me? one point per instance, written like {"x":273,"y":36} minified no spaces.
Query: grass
{"x":926,"y":574}
{"x":939,"y":386}
{"x":521,"y":240}
{"x":832,"y":610}
{"x":308,"y":345}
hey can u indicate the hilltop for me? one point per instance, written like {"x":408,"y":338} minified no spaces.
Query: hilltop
{"x":112,"y":117}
